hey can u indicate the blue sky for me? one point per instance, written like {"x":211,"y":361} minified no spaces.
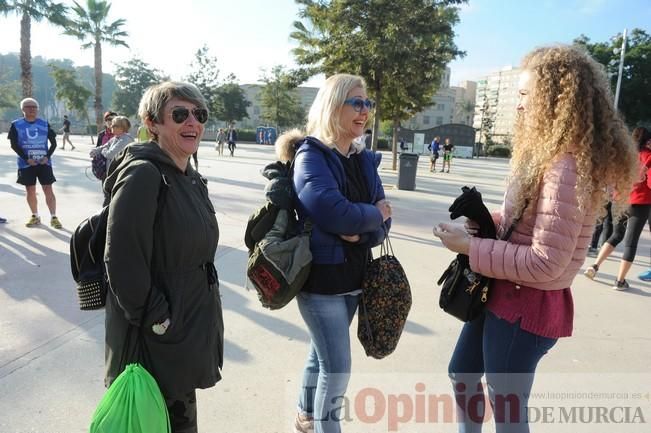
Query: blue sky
{"x":497,"y":33}
{"x":248,"y":36}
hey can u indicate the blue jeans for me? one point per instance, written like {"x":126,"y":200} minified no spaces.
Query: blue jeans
{"x":509,"y":356}
{"x":327,"y":369}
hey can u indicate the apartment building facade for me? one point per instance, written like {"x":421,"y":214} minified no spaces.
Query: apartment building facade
{"x":497,"y":99}
{"x":449,"y":105}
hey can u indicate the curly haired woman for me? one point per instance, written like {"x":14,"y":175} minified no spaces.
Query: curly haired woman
{"x":570,"y":145}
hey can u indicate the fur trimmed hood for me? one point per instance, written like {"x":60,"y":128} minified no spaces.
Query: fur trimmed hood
{"x":287,"y":143}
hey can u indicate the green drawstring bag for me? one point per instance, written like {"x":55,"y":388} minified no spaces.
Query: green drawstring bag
{"x":132,"y":404}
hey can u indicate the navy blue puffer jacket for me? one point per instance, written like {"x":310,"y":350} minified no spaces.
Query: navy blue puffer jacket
{"x":320,"y":185}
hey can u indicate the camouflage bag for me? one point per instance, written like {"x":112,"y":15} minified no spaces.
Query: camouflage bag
{"x":384,"y":304}
{"x":280,"y":263}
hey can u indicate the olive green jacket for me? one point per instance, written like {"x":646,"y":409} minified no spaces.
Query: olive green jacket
{"x":162,"y":270}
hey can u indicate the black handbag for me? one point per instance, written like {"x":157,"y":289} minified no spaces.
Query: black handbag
{"x":464,"y":293}
{"x":384,"y":304}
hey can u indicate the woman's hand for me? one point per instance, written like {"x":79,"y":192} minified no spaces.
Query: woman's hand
{"x":385,"y":209}
{"x":352,"y":238}
{"x":454,"y":238}
{"x":472,"y":228}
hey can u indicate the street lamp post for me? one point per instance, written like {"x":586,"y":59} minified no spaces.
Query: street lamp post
{"x":621,"y":68}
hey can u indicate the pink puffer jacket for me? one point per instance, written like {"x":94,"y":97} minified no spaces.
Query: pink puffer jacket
{"x":549,"y":244}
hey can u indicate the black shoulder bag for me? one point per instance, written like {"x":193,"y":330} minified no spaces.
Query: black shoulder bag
{"x":464,"y":293}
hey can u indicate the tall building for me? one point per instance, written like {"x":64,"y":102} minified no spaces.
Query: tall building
{"x":450,"y":104}
{"x":464,"y":102}
{"x":497,"y":99}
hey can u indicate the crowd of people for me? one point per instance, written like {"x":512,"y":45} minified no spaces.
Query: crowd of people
{"x":572,"y":155}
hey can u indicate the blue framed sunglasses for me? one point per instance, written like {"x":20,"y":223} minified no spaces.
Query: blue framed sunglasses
{"x":358,"y":104}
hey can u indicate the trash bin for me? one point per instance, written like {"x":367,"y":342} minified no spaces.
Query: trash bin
{"x":407,"y":171}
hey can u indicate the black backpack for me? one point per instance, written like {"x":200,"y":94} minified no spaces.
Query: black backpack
{"x":279,"y":252}
{"x":87,"y":253}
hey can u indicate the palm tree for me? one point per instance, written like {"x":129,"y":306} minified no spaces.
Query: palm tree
{"x":30,"y":10}
{"x":465,"y":111}
{"x":90,"y":26}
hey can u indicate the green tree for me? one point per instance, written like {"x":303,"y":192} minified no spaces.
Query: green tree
{"x":465,"y":110}
{"x":486,"y":123}
{"x":29,"y":10}
{"x":132,"y":79}
{"x":231,"y":102}
{"x":635,"y":91}
{"x":9,"y":92}
{"x":281,"y":105}
{"x":386,"y":128}
{"x":91,"y":26}
{"x":400,"y":48}
{"x":74,"y":95}
{"x":44,"y":87}
{"x":205,"y":75}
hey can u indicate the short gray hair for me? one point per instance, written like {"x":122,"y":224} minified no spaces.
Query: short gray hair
{"x":323,"y":118}
{"x":152,"y":103}
{"x":26,"y":100}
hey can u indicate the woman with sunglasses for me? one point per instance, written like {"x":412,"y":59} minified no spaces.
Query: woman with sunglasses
{"x":162,"y":234}
{"x":105,"y":134}
{"x":339,"y":191}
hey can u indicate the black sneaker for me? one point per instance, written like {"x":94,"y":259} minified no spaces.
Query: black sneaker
{"x":621,"y":285}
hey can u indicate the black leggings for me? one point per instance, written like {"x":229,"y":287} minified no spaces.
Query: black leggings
{"x":604,"y":228}
{"x":629,"y":228}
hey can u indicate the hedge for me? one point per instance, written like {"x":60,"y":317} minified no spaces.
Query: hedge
{"x":499,"y":150}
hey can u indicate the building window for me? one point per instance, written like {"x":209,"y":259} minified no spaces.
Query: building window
{"x":425,"y":120}
{"x":256,"y":111}
{"x":440,"y":107}
{"x":439,"y":120}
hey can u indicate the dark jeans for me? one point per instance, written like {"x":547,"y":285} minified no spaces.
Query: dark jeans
{"x":508,"y":356}
{"x":183,"y":413}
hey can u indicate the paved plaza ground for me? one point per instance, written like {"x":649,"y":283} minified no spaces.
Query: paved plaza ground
{"x":52,"y":354}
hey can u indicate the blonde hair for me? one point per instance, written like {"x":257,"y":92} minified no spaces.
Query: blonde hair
{"x":152,"y":103}
{"x":570,"y":109}
{"x":323,"y":118}
{"x":121,"y":122}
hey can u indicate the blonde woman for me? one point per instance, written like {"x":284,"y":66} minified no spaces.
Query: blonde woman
{"x":339,"y":191}
{"x":569,"y":146}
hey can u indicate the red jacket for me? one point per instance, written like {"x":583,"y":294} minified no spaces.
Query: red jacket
{"x":641,"y":193}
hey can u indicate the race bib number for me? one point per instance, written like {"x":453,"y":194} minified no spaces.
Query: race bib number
{"x":35,"y":154}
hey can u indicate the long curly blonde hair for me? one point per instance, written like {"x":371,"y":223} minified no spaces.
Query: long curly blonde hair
{"x":570,"y":109}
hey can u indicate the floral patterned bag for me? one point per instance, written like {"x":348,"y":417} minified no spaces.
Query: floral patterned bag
{"x":384,"y":304}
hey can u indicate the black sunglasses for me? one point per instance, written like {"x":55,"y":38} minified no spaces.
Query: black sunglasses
{"x":180,"y":114}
